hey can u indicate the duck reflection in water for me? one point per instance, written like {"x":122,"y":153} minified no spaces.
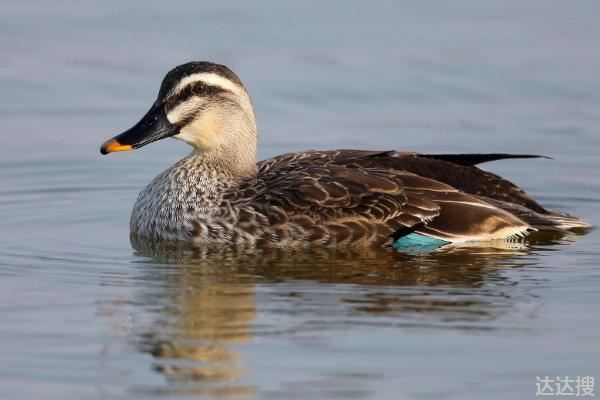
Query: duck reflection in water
{"x":204,"y":302}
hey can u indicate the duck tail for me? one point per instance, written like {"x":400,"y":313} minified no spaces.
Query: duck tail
{"x":567,"y":221}
{"x":546,"y":221}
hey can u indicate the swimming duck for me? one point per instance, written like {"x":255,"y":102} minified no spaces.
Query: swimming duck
{"x":219,"y":194}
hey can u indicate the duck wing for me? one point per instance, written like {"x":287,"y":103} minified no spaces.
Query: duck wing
{"x":456,"y":170}
{"x":460,"y":172}
{"x":346,"y":197}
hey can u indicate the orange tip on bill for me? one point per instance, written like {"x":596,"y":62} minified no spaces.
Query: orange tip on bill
{"x":113,"y":145}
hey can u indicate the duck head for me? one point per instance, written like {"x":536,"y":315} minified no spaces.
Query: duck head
{"x":201,"y":103}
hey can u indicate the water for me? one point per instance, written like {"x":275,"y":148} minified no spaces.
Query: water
{"x":87,"y":314}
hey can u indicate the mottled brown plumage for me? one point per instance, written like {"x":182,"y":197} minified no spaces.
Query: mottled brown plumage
{"x":371,"y":198}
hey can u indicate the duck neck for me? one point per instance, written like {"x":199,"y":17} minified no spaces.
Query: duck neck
{"x":235,"y":158}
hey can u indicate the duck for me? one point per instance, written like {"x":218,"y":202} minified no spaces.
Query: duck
{"x":220,"y":195}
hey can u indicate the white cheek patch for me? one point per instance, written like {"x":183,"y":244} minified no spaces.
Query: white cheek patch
{"x":204,"y":132}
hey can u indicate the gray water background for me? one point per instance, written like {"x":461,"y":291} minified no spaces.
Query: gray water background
{"x":84,"y":315}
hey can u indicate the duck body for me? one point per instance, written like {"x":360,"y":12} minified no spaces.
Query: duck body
{"x":342,"y":197}
{"x":220,"y":195}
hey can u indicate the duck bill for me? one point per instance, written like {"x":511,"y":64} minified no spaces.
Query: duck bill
{"x":152,"y":127}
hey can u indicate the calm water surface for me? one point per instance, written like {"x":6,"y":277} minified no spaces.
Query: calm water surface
{"x":85,"y":314}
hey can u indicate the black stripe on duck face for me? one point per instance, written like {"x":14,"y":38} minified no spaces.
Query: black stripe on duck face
{"x":194,"y":89}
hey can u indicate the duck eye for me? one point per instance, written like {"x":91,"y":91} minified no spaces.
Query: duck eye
{"x":199,"y":88}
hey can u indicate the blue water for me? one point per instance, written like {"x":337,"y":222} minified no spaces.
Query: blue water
{"x":85,"y":314}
